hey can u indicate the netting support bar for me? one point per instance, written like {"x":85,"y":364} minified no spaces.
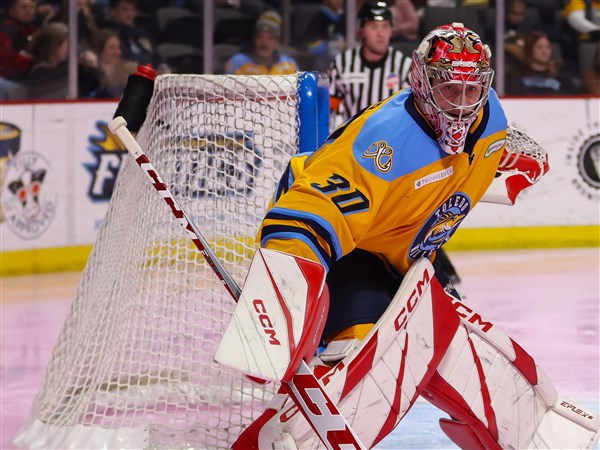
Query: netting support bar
{"x":313,"y":110}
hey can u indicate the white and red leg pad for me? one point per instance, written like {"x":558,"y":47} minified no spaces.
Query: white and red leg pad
{"x":498,"y":397}
{"x":278,"y":319}
{"x":378,"y":382}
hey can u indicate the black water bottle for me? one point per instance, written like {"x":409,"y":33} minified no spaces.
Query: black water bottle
{"x":136,"y":97}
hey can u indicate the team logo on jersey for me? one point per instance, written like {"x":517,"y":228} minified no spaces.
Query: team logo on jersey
{"x":108,"y":153}
{"x":392,"y":81}
{"x":440,"y":226}
{"x":494,"y":147}
{"x":29,"y":205}
{"x":382,"y":153}
{"x":584,"y":155}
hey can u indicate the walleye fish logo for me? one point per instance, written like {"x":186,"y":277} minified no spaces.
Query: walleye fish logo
{"x":440,"y":226}
{"x":442,"y":230}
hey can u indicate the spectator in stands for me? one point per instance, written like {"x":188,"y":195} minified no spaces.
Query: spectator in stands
{"x":590,"y":78}
{"x":583,"y":16}
{"x":48,"y":77}
{"x":539,"y":73}
{"x":135,"y":44}
{"x":86,"y":20}
{"x":16,"y":32}
{"x":45,"y":9}
{"x":113,"y":70}
{"x":517,"y":23}
{"x":406,"y":21}
{"x":582,"y":31}
{"x":326,"y":34}
{"x":262,"y":57}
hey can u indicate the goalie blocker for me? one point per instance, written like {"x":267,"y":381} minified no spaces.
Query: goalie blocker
{"x":427,"y":343}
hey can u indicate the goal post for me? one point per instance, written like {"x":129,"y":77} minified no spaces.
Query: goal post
{"x":133,"y":367}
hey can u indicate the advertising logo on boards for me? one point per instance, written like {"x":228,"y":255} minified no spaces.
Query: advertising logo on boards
{"x":108,"y":152}
{"x":29,"y":205}
{"x":583,"y":155}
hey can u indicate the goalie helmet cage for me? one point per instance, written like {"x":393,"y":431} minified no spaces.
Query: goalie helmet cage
{"x":133,"y":365}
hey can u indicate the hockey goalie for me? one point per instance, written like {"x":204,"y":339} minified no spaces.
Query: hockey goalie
{"x":346,"y":281}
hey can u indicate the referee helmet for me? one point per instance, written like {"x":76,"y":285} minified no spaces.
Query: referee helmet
{"x":377,"y":11}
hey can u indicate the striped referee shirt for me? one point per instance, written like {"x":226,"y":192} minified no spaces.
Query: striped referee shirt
{"x":359,"y":83}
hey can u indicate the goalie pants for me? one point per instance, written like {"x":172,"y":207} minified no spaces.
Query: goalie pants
{"x":361,"y":287}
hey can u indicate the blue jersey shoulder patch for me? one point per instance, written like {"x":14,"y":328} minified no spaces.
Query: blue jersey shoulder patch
{"x":391,"y":144}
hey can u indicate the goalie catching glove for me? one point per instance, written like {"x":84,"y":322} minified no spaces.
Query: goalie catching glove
{"x":523,"y":163}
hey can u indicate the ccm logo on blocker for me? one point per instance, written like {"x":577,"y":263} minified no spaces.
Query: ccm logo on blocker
{"x":265,"y":321}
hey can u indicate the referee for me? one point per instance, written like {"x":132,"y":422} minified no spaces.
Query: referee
{"x":370,"y":72}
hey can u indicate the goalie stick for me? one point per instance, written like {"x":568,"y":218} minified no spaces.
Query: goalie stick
{"x":118,"y":126}
{"x":303,"y":388}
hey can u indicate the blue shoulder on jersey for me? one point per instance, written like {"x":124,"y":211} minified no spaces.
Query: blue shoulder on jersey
{"x":391,"y":144}
{"x":497,"y":118}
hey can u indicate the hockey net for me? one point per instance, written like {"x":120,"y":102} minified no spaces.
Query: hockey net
{"x":133,"y":365}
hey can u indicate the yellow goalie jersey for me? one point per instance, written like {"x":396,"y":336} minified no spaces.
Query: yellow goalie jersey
{"x":382,"y":183}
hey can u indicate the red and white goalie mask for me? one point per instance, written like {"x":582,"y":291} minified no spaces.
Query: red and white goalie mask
{"x":451,"y":78}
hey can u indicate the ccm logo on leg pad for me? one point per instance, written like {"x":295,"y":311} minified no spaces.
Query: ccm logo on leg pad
{"x":412,"y":301}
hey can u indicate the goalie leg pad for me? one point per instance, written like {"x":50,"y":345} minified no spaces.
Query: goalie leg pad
{"x":378,"y":382}
{"x":499,"y":398}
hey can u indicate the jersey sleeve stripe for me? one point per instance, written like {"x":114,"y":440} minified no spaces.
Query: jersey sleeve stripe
{"x":284,"y":184}
{"x":320,"y":226}
{"x":270,"y":232}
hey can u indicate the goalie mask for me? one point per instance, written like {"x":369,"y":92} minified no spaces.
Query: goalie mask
{"x":451,"y":78}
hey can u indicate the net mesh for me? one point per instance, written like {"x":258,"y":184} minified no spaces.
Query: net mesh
{"x":135,"y":352}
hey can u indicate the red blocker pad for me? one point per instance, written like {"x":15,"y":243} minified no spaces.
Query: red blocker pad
{"x":279,"y":317}
{"x":379,"y":381}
